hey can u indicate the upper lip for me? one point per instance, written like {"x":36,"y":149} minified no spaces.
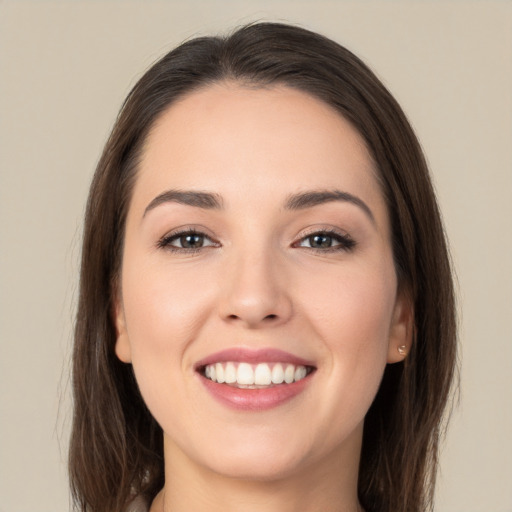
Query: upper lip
{"x":245,"y":355}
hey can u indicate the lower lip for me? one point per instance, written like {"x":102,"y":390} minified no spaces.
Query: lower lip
{"x":255,"y":399}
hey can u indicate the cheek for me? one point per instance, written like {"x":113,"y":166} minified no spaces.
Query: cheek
{"x":166,"y":311}
{"x":164,"y":308}
{"x":352,"y":307}
{"x":351,"y":314}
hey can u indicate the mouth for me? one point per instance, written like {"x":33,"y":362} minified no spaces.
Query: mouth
{"x":243,"y":375}
{"x":254,"y":380}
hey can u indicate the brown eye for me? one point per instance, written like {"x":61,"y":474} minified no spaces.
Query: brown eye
{"x":320,"y":241}
{"x":186,"y":241}
{"x":190,"y":241}
{"x":327,"y":241}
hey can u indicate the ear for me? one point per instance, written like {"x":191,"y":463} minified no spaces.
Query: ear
{"x":122,"y":347}
{"x":401,"y":329}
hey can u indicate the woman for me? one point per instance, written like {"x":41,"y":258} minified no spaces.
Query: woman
{"x":266,"y":314}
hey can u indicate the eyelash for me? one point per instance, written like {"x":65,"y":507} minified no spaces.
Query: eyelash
{"x":166,"y":241}
{"x":345,"y":242}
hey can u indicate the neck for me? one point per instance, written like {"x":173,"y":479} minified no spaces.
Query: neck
{"x":327,"y":485}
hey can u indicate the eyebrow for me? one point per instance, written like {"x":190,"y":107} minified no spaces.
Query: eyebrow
{"x":205,"y":200}
{"x":309,"y":199}
{"x":299,"y":201}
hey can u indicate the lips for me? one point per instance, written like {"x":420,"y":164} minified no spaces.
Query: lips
{"x":267,"y":355}
{"x":254,"y":380}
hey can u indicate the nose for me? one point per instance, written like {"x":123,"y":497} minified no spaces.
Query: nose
{"x":255,"y":292}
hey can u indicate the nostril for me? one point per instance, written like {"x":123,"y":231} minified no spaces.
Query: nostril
{"x":270,"y":317}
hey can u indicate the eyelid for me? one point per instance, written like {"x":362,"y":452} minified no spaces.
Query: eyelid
{"x":320,"y":228}
{"x":164,"y":242}
{"x":345,"y":241}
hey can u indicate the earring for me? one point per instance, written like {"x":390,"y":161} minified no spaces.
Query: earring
{"x":402,"y":350}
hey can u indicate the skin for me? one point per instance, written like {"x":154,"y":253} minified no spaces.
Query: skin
{"x":258,"y":283}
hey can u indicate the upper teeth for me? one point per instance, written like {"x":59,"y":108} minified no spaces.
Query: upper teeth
{"x":262,"y":374}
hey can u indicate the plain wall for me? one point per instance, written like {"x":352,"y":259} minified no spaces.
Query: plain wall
{"x":65,"y":68}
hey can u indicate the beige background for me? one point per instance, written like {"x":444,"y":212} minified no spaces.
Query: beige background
{"x":65,"y":68}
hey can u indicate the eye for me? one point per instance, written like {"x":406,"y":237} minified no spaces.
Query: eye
{"x":327,"y":241}
{"x":186,"y":241}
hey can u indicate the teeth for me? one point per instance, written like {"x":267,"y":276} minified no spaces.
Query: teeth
{"x":230,"y":373}
{"x":247,"y":375}
{"x":277,"y":374}
{"x":244,"y":374}
{"x":262,"y":375}
{"x":300,"y":373}
{"x":219,"y":372}
{"x":289,"y":374}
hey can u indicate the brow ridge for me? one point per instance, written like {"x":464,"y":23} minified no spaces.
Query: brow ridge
{"x":299,"y":201}
{"x":198,"y":199}
{"x":308,"y":199}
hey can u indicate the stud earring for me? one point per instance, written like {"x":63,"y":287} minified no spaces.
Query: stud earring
{"x":402,"y":350}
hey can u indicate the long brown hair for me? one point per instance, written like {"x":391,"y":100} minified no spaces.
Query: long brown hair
{"x":116,"y":446}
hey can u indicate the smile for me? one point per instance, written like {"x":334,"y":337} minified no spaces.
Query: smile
{"x":254,"y":380}
{"x":255,"y":376}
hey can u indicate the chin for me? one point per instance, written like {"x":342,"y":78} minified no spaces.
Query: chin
{"x":262,"y":468}
{"x":247,"y":454}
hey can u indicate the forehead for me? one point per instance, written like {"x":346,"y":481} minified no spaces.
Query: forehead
{"x":278,"y":116}
{"x":233,"y":139}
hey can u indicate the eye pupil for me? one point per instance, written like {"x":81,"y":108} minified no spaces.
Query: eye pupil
{"x":320,"y":241}
{"x":191,"y":240}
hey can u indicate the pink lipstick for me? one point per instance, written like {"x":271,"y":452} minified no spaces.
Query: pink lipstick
{"x":254,"y":380}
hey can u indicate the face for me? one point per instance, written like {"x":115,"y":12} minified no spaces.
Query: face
{"x":258,"y":298}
